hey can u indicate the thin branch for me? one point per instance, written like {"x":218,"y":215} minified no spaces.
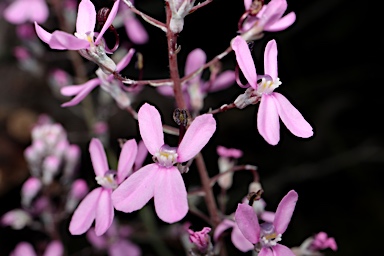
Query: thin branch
{"x":199,"y":5}
{"x":222,"y":109}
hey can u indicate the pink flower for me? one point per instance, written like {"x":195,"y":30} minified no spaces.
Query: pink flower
{"x":196,"y":89}
{"x":54,"y":248}
{"x":97,"y":205}
{"x":162,"y":180}
{"x":201,"y":239}
{"x":226,"y":161}
{"x":21,"y":11}
{"x":321,"y":241}
{"x":134,"y":29}
{"x":82,"y":90}
{"x":266,"y":236}
{"x":272,"y":104}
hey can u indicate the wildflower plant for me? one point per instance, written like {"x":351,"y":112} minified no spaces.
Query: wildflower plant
{"x":114,"y":210}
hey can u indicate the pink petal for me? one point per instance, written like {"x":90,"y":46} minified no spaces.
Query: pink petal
{"x":151,"y":129}
{"x":245,"y":61}
{"x":99,"y":242}
{"x":63,"y":41}
{"x":331,"y":243}
{"x":273,"y":12}
{"x":86,"y":89}
{"x":282,"y":250}
{"x":291,"y":117}
{"x":224,"y":225}
{"x":85,"y":213}
{"x":142,"y":153}
{"x":268,"y":216}
{"x":23,"y":249}
{"x":195,"y":60}
{"x":124,"y":248}
{"x":86,"y":17}
{"x":98,"y":157}
{"x":43,"y":34}
{"x":137,"y":190}
{"x":239,"y":240}
{"x":246,"y":220}
{"x":38,"y":11}
{"x":268,"y":120}
{"x":71,"y":90}
{"x":127,"y":158}
{"x":196,"y":137}
{"x":54,"y":248}
{"x":267,"y":252}
{"x":135,"y":30}
{"x":108,"y":22}
{"x":247,"y":4}
{"x":223,"y":81}
{"x":17,"y":12}
{"x":104,"y":212}
{"x":270,"y":59}
{"x":284,"y":211}
{"x":125,"y":60}
{"x":282,"y":23}
{"x":170,"y":195}
{"x":165,"y":90}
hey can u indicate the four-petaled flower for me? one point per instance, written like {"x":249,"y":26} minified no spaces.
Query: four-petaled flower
{"x":272,"y":104}
{"x":162,"y":180}
{"x":97,"y":205}
{"x":266,"y":236}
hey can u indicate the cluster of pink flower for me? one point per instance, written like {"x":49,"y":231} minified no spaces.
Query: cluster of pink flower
{"x":52,"y":159}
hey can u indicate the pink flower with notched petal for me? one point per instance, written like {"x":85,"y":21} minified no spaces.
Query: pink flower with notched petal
{"x":272,"y":104}
{"x":21,"y":11}
{"x":267,"y":235}
{"x":97,"y":205}
{"x":162,"y":180}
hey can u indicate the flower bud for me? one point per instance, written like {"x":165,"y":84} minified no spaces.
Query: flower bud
{"x":201,"y":239}
{"x":16,"y":219}
{"x":29,"y":190}
{"x":50,"y":167}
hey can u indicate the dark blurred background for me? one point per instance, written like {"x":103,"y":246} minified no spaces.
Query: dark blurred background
{"x":330,"y":64}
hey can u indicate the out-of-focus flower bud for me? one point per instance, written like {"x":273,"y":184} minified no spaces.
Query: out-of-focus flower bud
{"x":51,"y":166}
{"x":201,"y":240}
{"x":78,"y":190}
{"x":16,"y":219}
{"x":29,"y":190}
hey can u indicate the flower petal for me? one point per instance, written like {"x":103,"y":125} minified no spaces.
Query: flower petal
{"x":170,"y":195}
{"x":17,"y":12}
{"x":23,"y":249}
{"x":38,"y":11}
{"x":247,"y":222}
{"x":196,"y":137}
{"x":291,"y":117}
{"x":223,"y":81}
{"x":273,"y":12}
{"x":43,"y":34}
{"x":54,"y":248}
{"x":98,"y":157}
{"x":85,"y":213}
{"x":247,"y":4}
{"x":284,"y":211}
{"x":123,"y":248}
{"x":282,"y":23}
{"x":224,"y":225}
{"x":195,"y":60}
{"x":239,"y":240}
{"x":267,"y":252}
{"x":63,"y":41}
{"x":151,"y":129}
{"x":99,"y":242}
{"x":125,"y":60}
{"x":268,"y":120}
{"x":135,"y":30}
{"x":270,"y":59}
{"x":81,"y":92}
{"x":137,"y":190}
{"x":282,"y":250}
{"x":104,"y":212}
{"x":86,"y":17}
{"x":126,"y":160}
{"x":142,"y":153}
{"x":245,"y":61}
{"x":267,"y":216}
{"x":108,"y":22}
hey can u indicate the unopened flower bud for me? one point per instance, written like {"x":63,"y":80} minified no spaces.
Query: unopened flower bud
{"x":201,"y":239}
{"x":72,"y":158}
{"x":78,"y":190}
{"x":51,"y":166}
{"x":29,"y":190}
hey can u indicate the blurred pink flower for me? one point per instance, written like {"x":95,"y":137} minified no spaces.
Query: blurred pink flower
{"x":21,"y":11}
{"x":272,"y":104}
{"x":266,"y":236}
{"x":54,"y":248}
{"x":97,"y":205}
{"x":162,"y":180}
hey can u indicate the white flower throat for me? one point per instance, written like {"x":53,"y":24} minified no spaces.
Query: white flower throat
{"x":267,"y":85}
{"x":268,"y":236}
{"x":166,"y":156}
{"x":108,"y":180}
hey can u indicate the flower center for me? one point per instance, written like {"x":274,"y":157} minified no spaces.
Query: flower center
{"x":108,"y":180}
{"x":166,"y":157}
{"x":268,"y":235}
{"x":267,"y":85}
